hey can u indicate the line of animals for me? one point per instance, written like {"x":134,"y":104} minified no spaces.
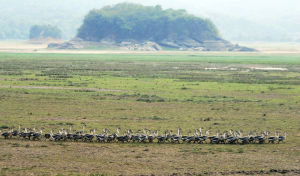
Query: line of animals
{"x":146,"y":136}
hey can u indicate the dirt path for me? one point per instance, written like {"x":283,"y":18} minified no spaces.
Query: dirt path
{"x":22,"y":46}
{"x":60,"y":88}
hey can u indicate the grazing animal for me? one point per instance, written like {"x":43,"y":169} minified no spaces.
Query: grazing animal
{"x":272,"y":139}
{"x":261,"y":139}
{"x":24,"y":134}
{"x":16,"y":132}
{"x":145,"y":136}
{"x":232,"y":138}
{"x":7,"y":134}
{"x":215,"y":139}
{"x":282,"y":138}
{"x":163,"y":138}
{"x":48,"y":135}
{"x":176,"y":137}
{"x":36,"y":136}
{"x":101,"y":138}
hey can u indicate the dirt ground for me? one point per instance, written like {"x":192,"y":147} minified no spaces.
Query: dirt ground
{"x":21,"y":157}
{"x":29,"y":47}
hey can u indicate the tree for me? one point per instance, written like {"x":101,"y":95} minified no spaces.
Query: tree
{"x":128,"y":21}
{"x":44,"y":31}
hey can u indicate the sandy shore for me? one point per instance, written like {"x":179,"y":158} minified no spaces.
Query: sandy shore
{"x":27,"y":47}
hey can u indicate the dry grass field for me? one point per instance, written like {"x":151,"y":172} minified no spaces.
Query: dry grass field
{"x":216,"y":91}
{"x":44,"y":158}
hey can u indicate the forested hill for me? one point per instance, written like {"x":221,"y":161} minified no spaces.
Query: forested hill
{"x":127,"y":21}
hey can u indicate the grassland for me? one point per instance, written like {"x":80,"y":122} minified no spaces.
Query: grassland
{"x":154,"y":91}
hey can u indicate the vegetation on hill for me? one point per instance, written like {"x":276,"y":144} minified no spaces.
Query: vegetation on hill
{"x":128,"y":21}
{"x":44,"y":31}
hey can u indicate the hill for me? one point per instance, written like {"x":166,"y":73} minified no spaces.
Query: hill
{"x":136,"y":26}
{"x":131,"y":21}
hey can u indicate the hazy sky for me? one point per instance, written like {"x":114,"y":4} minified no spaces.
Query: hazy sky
{"x":235,"y":19}
{"x":257,"y":19}
{"x":243,"y":8}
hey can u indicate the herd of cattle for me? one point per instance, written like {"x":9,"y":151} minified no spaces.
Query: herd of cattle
{"x":146,"y":136}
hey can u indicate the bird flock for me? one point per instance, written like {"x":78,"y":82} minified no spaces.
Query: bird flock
{"x":198,"y":136}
